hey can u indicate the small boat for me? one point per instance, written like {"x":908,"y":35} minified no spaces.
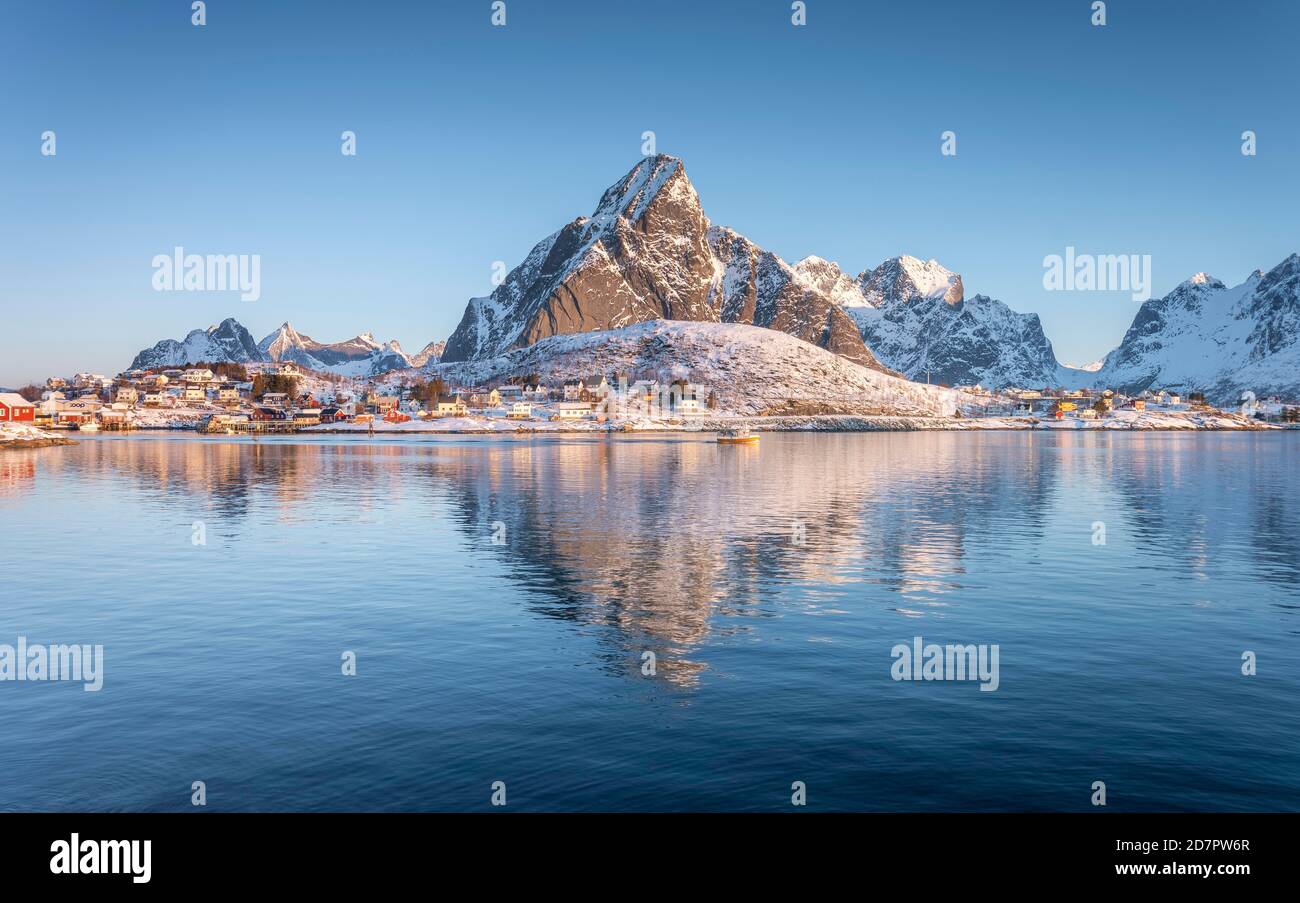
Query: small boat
{"x":736,"y":437}
{"x":89,"y":426}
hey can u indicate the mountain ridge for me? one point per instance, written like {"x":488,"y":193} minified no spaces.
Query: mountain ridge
{"x":231,"y":342}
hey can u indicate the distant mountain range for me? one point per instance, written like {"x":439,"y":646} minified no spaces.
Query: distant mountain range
{"x":648,"y":252}
{"x":230,"y":342}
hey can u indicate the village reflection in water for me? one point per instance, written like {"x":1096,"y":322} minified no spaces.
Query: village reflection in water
{"x":659,"y":542}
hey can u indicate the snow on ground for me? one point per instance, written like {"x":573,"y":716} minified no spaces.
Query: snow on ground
{"x":751,"y":369}
{"x":24,"y":434}
{"x":170,"y":418}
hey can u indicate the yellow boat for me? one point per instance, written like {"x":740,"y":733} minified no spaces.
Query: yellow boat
{"x":737,"y":437}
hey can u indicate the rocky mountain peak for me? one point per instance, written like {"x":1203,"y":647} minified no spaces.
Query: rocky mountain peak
{"x":648,"y":252}
{"x":902,"y":279}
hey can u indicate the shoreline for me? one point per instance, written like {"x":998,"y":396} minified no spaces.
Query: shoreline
{"x":1168,"y":422}
{"x":828,"y":423}
{"x":1145,"y":421}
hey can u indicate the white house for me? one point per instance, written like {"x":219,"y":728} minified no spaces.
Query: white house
{"x":572,"y":410}
{"x":450,"y":406}
{"x":594,"y":388}
{"x":520,"y":410}
{"x":198,"y":375}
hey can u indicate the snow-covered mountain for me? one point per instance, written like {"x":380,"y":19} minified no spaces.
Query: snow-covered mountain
{"x":225,"y":342}
{"x":430,"y":353}
{"x":1208,"y":337}
{"x":648,"y":252}
{"x":358,"y":356}
{"x":361,"y":356}
{"x":916,"y":318}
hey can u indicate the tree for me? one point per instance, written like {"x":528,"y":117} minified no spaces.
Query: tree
{"x":428,"y":392}
{"x":31,"y":392}
{"x":263,"y":383}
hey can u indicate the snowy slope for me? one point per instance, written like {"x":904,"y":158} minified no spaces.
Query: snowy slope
{"x":752,"y":369}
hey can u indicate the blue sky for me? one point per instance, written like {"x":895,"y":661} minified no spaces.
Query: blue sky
{"x":475,"y":142}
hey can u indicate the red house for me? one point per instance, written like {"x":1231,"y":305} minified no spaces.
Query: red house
{"x":14,"y":407}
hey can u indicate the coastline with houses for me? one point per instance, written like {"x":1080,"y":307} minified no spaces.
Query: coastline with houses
{"x":283,"y":397}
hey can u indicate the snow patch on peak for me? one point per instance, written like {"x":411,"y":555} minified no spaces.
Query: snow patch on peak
{"x":1203,"y":279}
{"x":825,"y":276}
{"x":932,"y":279}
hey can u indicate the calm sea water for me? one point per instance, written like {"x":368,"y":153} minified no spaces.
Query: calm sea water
{"x":499,"y":595}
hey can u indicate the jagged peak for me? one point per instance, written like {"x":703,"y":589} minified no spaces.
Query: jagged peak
{"x":1289,"y":265}
{"x":633,"y":194}
{"x":929,"y":278}
{"x":812,"y":260}
{"x":1201,"y":278}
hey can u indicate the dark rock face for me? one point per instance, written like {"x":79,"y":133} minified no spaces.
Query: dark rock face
{"x":642,"y":255}
{"x":760,"y":289}
{"x":648,"y":253}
